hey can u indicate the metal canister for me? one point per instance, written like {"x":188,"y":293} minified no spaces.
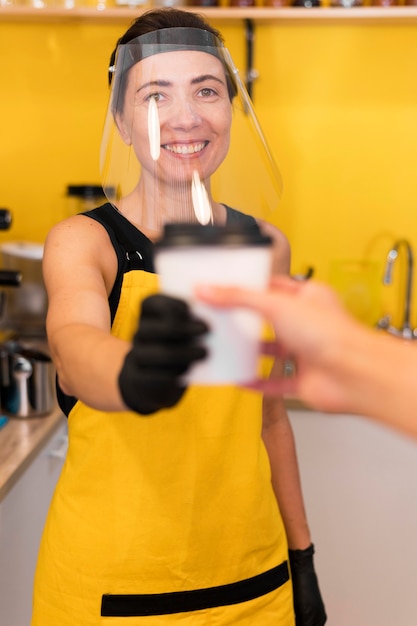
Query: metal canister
{"x":27,"y":381}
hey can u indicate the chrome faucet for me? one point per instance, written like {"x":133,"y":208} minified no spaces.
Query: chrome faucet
{"x":406,"y":331}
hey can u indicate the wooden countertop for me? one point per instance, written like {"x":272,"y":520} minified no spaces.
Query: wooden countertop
{"x":20,"y":442}
{"x":293,"y":404}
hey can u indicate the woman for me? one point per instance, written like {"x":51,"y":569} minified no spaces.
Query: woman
{"x":173,"y":516}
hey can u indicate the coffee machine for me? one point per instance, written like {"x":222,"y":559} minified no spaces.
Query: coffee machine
{"x":26,"y":372}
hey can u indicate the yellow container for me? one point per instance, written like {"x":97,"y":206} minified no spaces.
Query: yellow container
{"x":358,"y":283}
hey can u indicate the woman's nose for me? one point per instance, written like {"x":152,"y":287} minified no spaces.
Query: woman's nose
{"x":184,"y":114}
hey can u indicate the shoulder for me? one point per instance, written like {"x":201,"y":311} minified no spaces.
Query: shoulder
{"x":78,"y":231}
{"x":281,"y":247}
{"x":79,"y":244}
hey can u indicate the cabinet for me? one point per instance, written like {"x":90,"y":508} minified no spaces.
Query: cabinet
{"x":22,"y":517}
{"x":360,"y":489}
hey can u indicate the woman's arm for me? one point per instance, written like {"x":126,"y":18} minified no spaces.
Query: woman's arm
{"x":79,"y":268}
{"x":277,"y":432}
{"x":279,"y":441}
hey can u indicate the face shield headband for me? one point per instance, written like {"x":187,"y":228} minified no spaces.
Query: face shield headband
{"x":168,"y":40}
{"x":197,"y":177}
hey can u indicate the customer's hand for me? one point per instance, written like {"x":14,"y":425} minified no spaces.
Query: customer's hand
{"x":312,"y":330}
{"x":164,"y":347}
{"x":308,"y":604}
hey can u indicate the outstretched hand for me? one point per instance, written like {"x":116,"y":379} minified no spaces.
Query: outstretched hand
{"x":310,"y":325}
{"x":164,"y":347}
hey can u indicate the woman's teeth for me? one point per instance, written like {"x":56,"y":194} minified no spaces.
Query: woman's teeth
{"x":185,"y":149}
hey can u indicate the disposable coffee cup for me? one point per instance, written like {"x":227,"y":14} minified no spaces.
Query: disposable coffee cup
{"x":233,"y":255}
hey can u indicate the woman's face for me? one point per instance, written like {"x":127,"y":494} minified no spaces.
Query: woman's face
{"x":194,"y":110}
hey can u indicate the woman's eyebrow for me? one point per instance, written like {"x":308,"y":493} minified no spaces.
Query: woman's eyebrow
{"x":204,"y":77}
{"x":166,"y":83}
{"x":155,"y":83}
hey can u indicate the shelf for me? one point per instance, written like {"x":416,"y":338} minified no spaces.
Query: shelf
{"x":398,"y":14}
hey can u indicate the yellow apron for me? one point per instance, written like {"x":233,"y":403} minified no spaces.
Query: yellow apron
{"x":177,"y":501}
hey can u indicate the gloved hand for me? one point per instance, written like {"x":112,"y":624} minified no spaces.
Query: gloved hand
{"x":164,"y":347}
{"x":308,"y":604}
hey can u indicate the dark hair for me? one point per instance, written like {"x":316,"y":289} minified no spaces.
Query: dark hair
{"x":158,"y":19}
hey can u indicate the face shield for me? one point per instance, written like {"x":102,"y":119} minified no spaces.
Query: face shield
{"x":181,"y":137}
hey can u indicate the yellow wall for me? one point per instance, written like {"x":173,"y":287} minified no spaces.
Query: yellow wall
{"x":338,"y":104}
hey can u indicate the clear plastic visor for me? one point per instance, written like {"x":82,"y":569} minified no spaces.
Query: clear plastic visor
{"x":181,"y":138}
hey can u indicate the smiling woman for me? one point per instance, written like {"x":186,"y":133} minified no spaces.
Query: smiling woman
{"x":192,"y":117}
{"x":165,"y":510}
{"x":179,"y":115}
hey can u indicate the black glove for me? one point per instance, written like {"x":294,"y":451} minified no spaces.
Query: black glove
{"x":164,"y":347}
{"x":308,"y":604}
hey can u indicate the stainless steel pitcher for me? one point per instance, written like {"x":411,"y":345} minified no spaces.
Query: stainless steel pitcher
{"x":27,"y":381}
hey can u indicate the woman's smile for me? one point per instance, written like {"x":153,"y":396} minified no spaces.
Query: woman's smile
{"x":184,"y":148}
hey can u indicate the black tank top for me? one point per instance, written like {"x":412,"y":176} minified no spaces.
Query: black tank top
{"x":134,"y":252}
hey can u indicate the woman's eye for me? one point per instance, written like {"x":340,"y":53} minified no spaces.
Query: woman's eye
{"x":157,"y":97}
{"x":154,"y":96}
{"x":142,"y":99}
{"x":207,"y":92}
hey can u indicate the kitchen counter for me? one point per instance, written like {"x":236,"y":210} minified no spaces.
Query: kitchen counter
{"x":20,"y":442}
{"x":293,"y":404}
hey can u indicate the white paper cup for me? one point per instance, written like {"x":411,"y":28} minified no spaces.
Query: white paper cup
{"x":190,"y":255}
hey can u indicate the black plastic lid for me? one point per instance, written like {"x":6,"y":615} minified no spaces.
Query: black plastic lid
{"x":186,"y":234}
{"x":85,"y":191}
